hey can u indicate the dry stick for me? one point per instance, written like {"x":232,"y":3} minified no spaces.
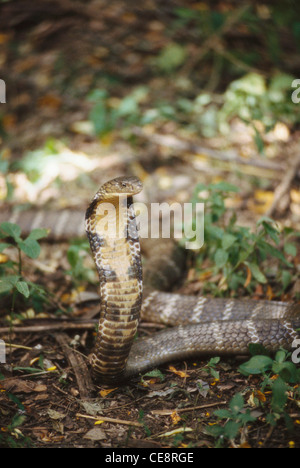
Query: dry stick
{"x":51,"y":327}
{"x":78,"y":364}
{"x":183,"y":410}
{"x":65,"y":325}
{"x":112,"y":420}
{"x":284,"y":186}
{"x":228,"y":156}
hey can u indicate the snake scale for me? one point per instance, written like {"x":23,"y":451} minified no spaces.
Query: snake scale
{"x":197,"y":325}
{"x":218,"y":326}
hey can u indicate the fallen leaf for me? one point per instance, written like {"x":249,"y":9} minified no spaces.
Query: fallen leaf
{"x":249,"y":276}
{"x":177,"y":372}
{"x":55,"y":414}
{"x":106,"y":391}
{"x":18,"y":385}
{"x":95,"y":434}
{"x":175,"y":417}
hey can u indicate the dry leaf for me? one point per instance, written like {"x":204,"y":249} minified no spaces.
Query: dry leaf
{"x":249,"y":276}
{"x":18,"y":385}
{"x":40,"y":388}
{"x":106,"y":391}
{"x":53,"y":414}
{"x":95,"y":434}
{"x":179,"y":373}
{"x":260,"y":395}
{"x":175,"y":417}
{"x":3,"y":258}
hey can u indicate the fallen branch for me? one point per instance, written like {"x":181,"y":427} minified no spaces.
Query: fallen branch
{"x":49,"y":327}
{"x":78,"y":365}
{"x":112,"y":420}
{"x":284,"y":187}
{"x":225,"y":156}
{"x":167,"y":412}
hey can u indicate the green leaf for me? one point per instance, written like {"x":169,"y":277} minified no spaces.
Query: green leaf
{"x":4,"y":245}
{"x":16,"y":400}
{"x":236,"y":403}
{"x":22,"y":287}
{"x":30,"y":247}
{"x":280,"y":356}
{"x":155,"y":373}
{"x":214,"y":360}
{"x":215,"y":431}
{"x":97,"y":95}
{"x":99,"y":118}
{"x":38,"y":233}
{"x":258,"y":275}
{"x":272,"y":251}
{"x":11,"y":229}
{"x":228,"y":240}
{"x":5,"y":286}
{"x":256,"y":365}
{"x":17,"y":420}
{"x":257,"y":348}
{"x":231,"y":429}
{"x":224,"y":186}
{"x":171,"y":57}
{"x":290,"y":249}
{"x":279,"y":395}
{"x":223,"y":413}
{"x":287,"y":371}
{"x":221,"y":257}
{"x":9,"y":282}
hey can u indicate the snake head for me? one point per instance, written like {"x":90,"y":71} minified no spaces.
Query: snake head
{"x":124,"y":185}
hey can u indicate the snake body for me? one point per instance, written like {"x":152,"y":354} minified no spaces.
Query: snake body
{"x":218,"y":326}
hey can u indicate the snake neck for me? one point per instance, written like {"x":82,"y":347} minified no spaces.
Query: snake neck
{"x":112,"y":233}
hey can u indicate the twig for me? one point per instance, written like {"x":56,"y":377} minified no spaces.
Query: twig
{"x":18,"y":346}
{"x":112,"y":420}
{"x":51,"y":327}
{"x":284,"y":186}
{"x":79,"y":366}
{"x":183,"y":410}
{"x":187,"y":146}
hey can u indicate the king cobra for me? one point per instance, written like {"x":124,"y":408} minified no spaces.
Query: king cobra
{"x":203,"y":326}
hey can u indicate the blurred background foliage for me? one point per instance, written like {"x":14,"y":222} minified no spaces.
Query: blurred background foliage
{"x":102,"y":67}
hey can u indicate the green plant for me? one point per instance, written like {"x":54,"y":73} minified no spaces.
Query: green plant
{"x":40,"y":161}
{"x":12,"y":280}
{"x":235,"y":253}
{"x":210,"y":367}
{"x":142,"y":421}
{"x":236,"y":418}
{"x":252,"y":99}
{"x":109,"y":114}
{"x":170,"y":58}
{"x":77,"y":252}
{"x":10,"y":435}
{"x":280,"y":376}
